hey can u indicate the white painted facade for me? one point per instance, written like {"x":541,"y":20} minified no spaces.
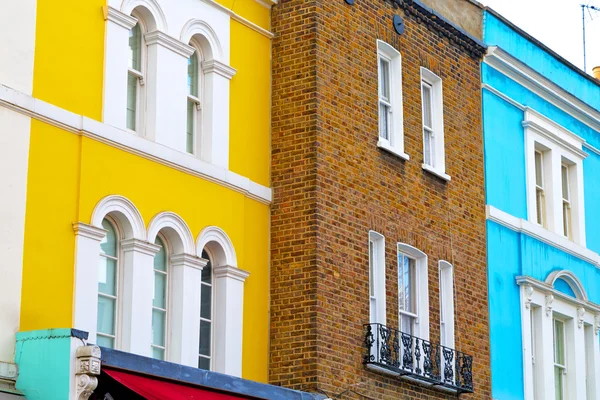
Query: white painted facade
{"x":17,"y":41}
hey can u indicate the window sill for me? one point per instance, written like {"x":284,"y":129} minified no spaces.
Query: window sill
{"x":384,"y":146}
{"x":436,"y":172}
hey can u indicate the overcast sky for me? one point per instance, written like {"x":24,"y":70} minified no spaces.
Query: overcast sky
{"x":556,"y":23}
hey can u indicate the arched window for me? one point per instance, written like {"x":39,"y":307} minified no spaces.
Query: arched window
{"x":108,"y":287}
{"x":193,"y":100}
{"x":206,"y":320}
{"x":135,"y":77}
{"x":160,"y":301}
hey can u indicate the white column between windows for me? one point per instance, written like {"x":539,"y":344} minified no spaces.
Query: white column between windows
{"x":594,"y":352}
{"x":87,"y":254}
{"x":184,"y":318}
{"x":228,"y":319}
{"x":115,"y":66}
{"x":576,"y":371}
{"x":545,"y":355}
{"x":214,"y":145}
{"x":135,"y":330}
{"x":166,"y":90}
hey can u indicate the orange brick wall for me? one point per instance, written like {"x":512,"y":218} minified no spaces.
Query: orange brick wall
{"x":332,"y":185}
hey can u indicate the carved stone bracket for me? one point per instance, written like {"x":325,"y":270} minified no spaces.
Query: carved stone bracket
{"x":86,"y":370}
{"x":549,"y":301}
{"x":580,"y":314}
{"x":597,"y":323}
{"x":528,"y":296}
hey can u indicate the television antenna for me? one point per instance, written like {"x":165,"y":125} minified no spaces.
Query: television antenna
{"x":589,"y":9}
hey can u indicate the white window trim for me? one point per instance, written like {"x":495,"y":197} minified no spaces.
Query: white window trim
{"x":437,"y":113}
{"x":422,"y":288}
{"x":558,"y":145}
{"x":578,"y":313}
{"x":446,"y":272}
{"x":396,"y":143}
{"x":379,"y":278}
{"x":141,"y":74}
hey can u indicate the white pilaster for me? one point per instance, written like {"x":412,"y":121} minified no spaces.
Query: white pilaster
{"x":138,"y":290}
{"x":87,"y":255}
{"x":576,"y":371}
{"x":184,"y":315}
{"x":167,"y":90}
{"x":214,"y":143}
{"x":545,"y":347}
{"x":115,"y":66}
{"x":593,"y":347}
{"x":229,"y":316}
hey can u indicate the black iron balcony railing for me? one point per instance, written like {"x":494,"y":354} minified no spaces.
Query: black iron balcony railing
{"x":394,"y":352}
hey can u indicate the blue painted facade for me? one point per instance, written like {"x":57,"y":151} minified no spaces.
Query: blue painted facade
{"x":512,"y":253}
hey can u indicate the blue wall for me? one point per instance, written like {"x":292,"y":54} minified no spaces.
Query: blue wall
{"x":512,"y":254}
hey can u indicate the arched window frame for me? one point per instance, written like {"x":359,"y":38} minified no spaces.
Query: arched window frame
{"x":194,"y":101}
{"x":118,"y":284}
{"x":168,"y":290}
{"x":209,"y":265}
{"x":140,"y":76}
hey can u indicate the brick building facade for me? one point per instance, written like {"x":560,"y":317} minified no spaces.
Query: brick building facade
{"x":334,"y":183}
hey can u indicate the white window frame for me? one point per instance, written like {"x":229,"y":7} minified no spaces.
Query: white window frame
{"x":213,"y":309}
{"x":559,"y":146}
{"x":168,"y":290}
{"x":395,"y":143}
{"x":140,"y":76}
{"x":437,"y":114}
{"x":446,"y":272}
{"x":118,"y":285}
{"x":541,"y":304}
{"x":421,"y":329}
{"x":377,"y":302}
{"x":402,"y":312}
{"x":197,"y":100}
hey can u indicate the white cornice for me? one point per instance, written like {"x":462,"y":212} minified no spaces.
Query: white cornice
{"x":188,"y":260}
{"x":214,"y":66}
{"x":119,"y":18}
{"x":89,"y":231}
{"x":549,"y":289}
{"x":537,"y":232}
{"x":162,"y":39}
{"x":543,"y":87}
{"x":267,"y":3}
{"x":134,"y":144}
{"x":227,"y":271}
{"x":241,"y":19}
{"x":140,"y":246}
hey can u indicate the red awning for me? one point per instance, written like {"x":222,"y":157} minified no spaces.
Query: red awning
{"x":158,"y":389}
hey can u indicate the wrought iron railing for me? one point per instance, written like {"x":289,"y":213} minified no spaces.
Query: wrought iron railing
{"x":401,"y":354}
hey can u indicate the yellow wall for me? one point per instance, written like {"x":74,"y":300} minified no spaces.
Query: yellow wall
{"x":69,"y":55}
{"x":69,"y":174}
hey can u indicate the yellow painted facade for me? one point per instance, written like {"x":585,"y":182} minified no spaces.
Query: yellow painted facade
{"x":69,"y":173}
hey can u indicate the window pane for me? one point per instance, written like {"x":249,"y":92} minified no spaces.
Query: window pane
{"x":207,"y":270}
{"x":205,"y":333}
{"x":539,"y":203}
{"x":371,"y":268}
{"x":108,"y":245}
{"x":191,"y":111}
{"x":204,"y":363}
{"x":160,"y":259}
{"x":105,"y":342}
{"x":406,"y":324}
{"x":205,"y":302}
{"x":107,"y":276}
{"x":158,"y":327}
{"x":559,"y":342}
{"x":158,"y":354}
{"x":160,"y":290}
{"x":427,"y":119}
{"x":384,"y":79}
{"x":384,"y":121}
{"x":565,"y":182}
{"x":566,"y":219}
{"x":132,"y":83}
{"x":428,"y":148}
{"x":401,"y":295}
{"x":135,"y":48}
{"x":558,"y":383}
{"x":539,"y":172}
{"x":106,"y":315}
{"x":192,"y":78}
